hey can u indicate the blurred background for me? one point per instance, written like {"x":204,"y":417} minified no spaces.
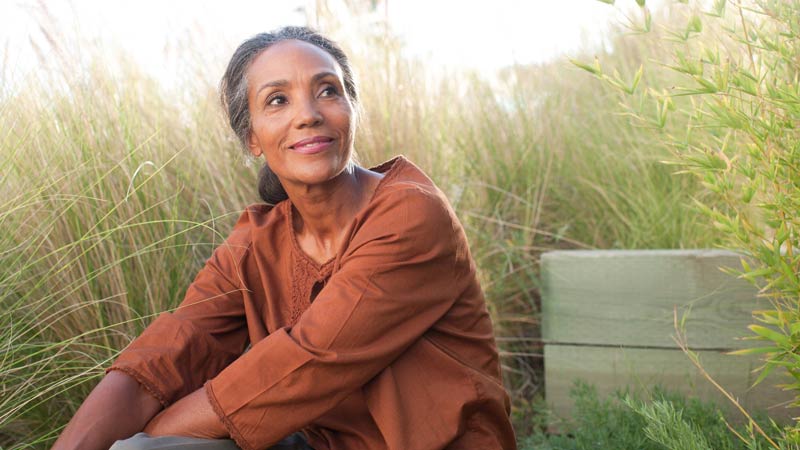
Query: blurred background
{"x":477,"y":35}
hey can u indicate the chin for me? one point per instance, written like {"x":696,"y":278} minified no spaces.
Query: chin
{"x":314,"y":177}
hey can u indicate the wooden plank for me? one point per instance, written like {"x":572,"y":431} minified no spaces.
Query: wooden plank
{"x":628,"y":297}
{"x":611,"y":369}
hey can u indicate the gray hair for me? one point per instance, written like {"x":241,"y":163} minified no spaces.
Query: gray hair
{"x":233,"y":90}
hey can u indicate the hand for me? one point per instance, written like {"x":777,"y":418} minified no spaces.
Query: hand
{"x":191,"y":416}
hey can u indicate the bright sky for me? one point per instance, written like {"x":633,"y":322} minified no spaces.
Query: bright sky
{"x":478,"y":34}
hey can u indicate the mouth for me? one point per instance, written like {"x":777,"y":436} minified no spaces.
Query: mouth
{"x":312,"y":145}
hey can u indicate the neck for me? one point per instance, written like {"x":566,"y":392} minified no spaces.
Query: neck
{"x":323,"y":212}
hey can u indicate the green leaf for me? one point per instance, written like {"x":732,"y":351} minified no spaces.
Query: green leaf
{"x":769,"y":334}
{"x":662,"y":107}
{"x":710,"y":86}
{"x":755,"y":351}
{"x":768,"y":316}
{"x":719,"y":7}
{"x":638,"y":76}
{"x":745,"y":264}
{"x":616,"y":81}
{"x":695,"y":25}
{"x":711,"y":56}
{"x":687,"y":65}
{"x":593,"y":69}
{"x":747,"y":193}
{"x":768,"y":368}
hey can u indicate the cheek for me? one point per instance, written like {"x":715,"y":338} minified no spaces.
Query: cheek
{"x":346,"y":116}
{"x":266,"y":131}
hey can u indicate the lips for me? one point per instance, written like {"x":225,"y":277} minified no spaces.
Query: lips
{"x":312,"y":145}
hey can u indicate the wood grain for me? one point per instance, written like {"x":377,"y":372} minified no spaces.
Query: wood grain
{"x":628,"y":298}
{"x":612,"y":369}
{"x":608,"y":319}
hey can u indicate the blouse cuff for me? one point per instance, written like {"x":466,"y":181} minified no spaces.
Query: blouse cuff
{"x":144,"y":382}
{"x":232,"y":430}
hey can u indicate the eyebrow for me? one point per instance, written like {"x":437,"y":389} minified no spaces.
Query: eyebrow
{"x":282,"y":83}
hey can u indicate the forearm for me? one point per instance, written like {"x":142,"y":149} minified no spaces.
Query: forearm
{"x":117,"y":408}
{"x":191,"y":416}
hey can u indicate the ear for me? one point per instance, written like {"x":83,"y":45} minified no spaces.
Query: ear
{"x":253,"y":145}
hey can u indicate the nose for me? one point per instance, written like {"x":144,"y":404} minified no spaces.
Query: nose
{"x":307,"y":114}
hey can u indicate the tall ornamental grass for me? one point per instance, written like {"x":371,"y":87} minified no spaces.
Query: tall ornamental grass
{"x":738,"y":69}
{"x":115,"y":189}
{"x":113,"y":194}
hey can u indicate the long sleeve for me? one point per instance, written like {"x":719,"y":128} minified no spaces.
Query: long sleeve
{"x":396,"y":279}
{"x":180,"y":351}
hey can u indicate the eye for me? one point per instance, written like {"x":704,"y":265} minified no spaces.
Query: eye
{"x":329,"y":91}
{"x":275,"y":100}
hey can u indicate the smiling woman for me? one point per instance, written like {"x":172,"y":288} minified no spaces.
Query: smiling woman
{"x":302,"y":120}
{"x":353,"y":288}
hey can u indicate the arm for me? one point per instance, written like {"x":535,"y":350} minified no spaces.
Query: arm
{"x":403,"y":271}
{"x":117,"y":408}
{"x":190,"y":416}
{"x":170,"y":360}
{"x":179,"y":351}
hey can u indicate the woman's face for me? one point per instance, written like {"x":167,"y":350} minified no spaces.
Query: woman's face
{"x":301,"y":118}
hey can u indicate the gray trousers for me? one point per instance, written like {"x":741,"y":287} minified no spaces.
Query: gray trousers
{"x":143,"y":441}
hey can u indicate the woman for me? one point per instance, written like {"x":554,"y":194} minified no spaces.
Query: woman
{"x":356,"y":293}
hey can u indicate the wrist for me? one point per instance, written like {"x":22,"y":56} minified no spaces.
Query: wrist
{"x":191,"y":416}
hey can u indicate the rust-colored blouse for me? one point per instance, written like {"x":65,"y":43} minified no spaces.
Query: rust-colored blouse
{"x":386,"y":346}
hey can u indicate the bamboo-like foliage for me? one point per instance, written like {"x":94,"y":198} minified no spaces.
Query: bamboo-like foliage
{"x":739,"y":91}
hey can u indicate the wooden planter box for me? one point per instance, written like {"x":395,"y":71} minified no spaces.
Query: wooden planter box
{"x":607,"y":318}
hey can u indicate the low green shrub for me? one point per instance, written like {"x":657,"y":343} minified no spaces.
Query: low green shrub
{"x":657,"y":421}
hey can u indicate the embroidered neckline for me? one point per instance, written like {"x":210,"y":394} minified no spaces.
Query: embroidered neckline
{"x":306,"y":272}
{"x":323,"y":270}
{"x":287,"y":210}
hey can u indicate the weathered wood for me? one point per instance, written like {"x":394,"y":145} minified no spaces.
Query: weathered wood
{"x":628,"y":298}
{"x":608,"y":318}
{"x":610,"y":369}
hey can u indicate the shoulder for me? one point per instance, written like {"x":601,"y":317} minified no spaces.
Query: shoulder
{"x":407,"y":194}
{"x":408,"y":207}
{"x":400,"y":173}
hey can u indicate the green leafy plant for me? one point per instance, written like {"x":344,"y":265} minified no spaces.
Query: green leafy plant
{"x":630,"y":420}
{"x":737,"y":96}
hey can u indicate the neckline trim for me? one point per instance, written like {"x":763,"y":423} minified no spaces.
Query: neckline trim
{"x":388,"y":169}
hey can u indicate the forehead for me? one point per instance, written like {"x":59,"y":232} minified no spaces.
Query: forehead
{"x":290,"y":60}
